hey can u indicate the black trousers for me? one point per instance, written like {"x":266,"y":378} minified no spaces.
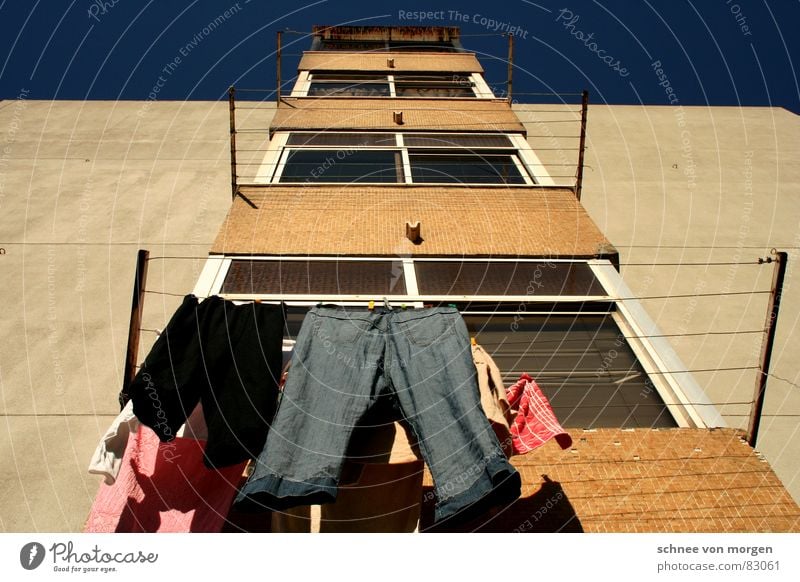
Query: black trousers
{"x":225,"y":356}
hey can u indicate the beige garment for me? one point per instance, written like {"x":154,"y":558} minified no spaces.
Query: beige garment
{"x":493,"y":396}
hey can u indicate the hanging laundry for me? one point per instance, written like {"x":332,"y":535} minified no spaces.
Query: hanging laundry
{"x":226,"y":356}
{"x":535,"y":422}
{"x":493,"y":397}
{"x":344,"y":361}
{"x":107,"y":457}
{"x":164,"y":487}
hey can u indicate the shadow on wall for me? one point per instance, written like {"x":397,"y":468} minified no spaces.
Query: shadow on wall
{"x":546,"y":511}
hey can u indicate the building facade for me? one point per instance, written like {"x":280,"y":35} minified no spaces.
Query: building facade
{"x":391,"y":173}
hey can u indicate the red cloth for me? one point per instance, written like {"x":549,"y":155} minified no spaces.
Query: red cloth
{"x":164,"y":487}
{"x":535,"y":422}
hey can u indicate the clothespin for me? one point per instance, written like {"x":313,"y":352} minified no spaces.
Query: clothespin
{"x":473,"y":341}
{"x":371,"y":305}
{"x":258,"y":300}
{"x":403,"y":306}
{"x":451,"y":304}
{"x":386,"y":303}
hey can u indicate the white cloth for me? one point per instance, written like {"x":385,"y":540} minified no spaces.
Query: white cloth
{"x":107,"y":458}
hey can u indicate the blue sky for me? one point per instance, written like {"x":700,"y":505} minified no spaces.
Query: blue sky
{"x":718,"y":52}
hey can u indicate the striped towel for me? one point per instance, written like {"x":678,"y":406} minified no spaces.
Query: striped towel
{"x":535,"y":422}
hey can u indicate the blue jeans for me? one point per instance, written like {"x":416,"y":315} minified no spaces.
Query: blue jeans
{"x":345,"y":362}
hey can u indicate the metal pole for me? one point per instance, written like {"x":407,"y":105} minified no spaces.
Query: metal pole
{"x":232,"y":109}
{"x":582,"y":145}
{"x":278,"y":57}
{"x":510,"y":65}
{"x":134,"y":328}
{"x":766,"y":346}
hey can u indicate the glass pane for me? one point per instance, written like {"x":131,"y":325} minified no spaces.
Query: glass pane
{"x":342,"y":139}
{"x":432,"y":85}
{"x":431,"y":90}
{"x":350,"y":89}
{"x":343,"y":165}
{"x":582,"y":363}
{"x":506,"y":278}
{"x":456,"y":140}
{"x":374,"y":77}
{"x":432,"y":46}
{"x":465,"y":169}
{"x":352,"y":45}
{"x":439,"y":78}
{"x":316,"y":277}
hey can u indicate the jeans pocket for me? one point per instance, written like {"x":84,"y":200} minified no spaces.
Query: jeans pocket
{"x":425,"y":331}
{"x":349,"y":330}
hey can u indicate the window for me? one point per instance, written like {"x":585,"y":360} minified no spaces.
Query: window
{"x":378,"y":45}
{"x":425,"y":46}
{"x":581,"y":362}
{"x":299,"y":277}
{"x":433,"y":86}
{"x":351,"y":45}
{"x":342,"y":139}
{"x":427,"y":85}
{"x":459,"y":278}
{"x":464,"y":168}
{"x":315,"y":165}
{"x":401,"y":158}
{"x":324,"y":85}
{"x":476,"y":278}
{"x":449,"y":140}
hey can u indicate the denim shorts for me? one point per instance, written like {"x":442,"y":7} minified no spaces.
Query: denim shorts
{"x":347,"y":361}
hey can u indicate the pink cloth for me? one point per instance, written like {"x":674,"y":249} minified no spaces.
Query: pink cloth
{"x":535,"y":422}
{"x":164,"y":487}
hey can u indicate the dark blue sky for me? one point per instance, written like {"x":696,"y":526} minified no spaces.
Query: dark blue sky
{"x":718,"y":52}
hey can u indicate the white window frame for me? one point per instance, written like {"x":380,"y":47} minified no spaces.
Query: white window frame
{"x":482,"y":88}
{"x":273,"y":161}
{"x":533,"y":164}
{"x":302,"y":85}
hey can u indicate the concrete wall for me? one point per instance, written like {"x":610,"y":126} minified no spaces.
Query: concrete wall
{"x":84,"y":185}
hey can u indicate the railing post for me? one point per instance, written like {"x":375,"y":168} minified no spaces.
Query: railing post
{"x":766,"y":346}
{"x":231,"y":109}
{"x":582,"y":145}
{"x":510,"y":82}
{"x":135,"y":325}
{"x":278,"y":58}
